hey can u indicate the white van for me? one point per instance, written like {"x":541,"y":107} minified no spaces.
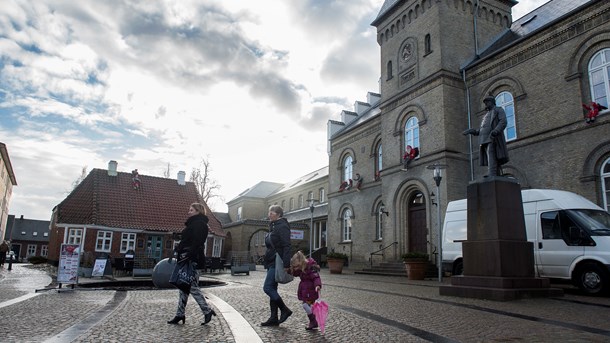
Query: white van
{"x":571,"y":237}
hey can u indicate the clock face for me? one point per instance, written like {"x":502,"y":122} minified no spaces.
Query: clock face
{"x":407,"y":51}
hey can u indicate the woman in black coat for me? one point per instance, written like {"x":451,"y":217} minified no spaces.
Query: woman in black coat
{"x":192,"y":247}
{"x":277,"y":240}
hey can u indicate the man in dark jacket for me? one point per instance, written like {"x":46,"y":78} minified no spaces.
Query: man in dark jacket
{"x":493,"y":151}
{"x":276,"y":241}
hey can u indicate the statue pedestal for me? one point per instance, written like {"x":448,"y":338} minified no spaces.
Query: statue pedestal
{"x":498,"y":259}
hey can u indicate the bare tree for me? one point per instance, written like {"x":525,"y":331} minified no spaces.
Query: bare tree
{"x":207,"y":187}
{"x":83,"y":175}
{"x":167,"y":172}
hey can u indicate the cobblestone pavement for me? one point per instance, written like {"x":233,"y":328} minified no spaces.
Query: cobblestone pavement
{"x":363,"y":308}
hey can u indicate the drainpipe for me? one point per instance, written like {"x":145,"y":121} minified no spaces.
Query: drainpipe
{"x":469,"y":114}
{"x":474,"y":20}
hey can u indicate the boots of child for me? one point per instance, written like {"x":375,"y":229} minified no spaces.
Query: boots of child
{"x":313,"y":323}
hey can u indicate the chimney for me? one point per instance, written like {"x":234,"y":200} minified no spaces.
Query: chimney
{"x":112,"y":168}
{"x":181,"y":175}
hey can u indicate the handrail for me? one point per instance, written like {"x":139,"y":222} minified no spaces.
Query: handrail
{"x":379,"y":252}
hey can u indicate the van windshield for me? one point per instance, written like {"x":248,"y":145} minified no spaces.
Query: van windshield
{"x":595,"y":221}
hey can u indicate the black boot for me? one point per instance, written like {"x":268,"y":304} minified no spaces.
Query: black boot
{"x":272,"y":321}
{"x":285,"y":310}
{"x":176,"y":320}
{"x":208,"y":317}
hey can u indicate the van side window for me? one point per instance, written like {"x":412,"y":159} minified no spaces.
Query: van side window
{"x":550,"y":225}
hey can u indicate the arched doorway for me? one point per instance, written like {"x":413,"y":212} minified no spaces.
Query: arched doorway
{"x":416,"y":223}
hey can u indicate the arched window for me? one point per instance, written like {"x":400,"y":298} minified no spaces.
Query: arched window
{"x":379,"y":221}
{"x":310,"y":195}
{"x":283,"y":203}
{"x":605,"y":178}
{"x":301,"y":203}
{"x":506,"y":101}
{"x":291,"y":204}
{"x":427,"y":44}
{"x":322,"y":196}
{"x":389,"y":70}
{"x":347,"y":168}
{"x":599,"y":67}
{"x":412,"y":133}
{"x":378,"y":160}
{"x":347,"y":225}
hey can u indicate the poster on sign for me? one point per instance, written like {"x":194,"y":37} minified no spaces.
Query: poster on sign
{"x":297,"y":234}
{"x":99,"y":267}
{"x":67,"y":270}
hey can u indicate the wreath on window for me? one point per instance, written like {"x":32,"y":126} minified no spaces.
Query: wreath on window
{"x":409,"y":155}
{"x":358,"y":180}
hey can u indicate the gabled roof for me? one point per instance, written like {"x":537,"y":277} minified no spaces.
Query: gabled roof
{"x":159,"y":204}
{"x":314,"y":175}
{"x":22,"y":229}
{"x":531,"y":23}
{"x":261,"y":190}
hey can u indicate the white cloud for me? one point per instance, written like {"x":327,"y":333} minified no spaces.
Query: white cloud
{"x":250,"y":84}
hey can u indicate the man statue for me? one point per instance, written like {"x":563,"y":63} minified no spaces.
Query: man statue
{"x":492,"y":152}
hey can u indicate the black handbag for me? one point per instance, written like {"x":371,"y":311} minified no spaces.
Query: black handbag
{"x":183,"y":275}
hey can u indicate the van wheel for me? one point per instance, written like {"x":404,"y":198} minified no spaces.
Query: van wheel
{"x":592,"y":279}
{"x":458,"y":268}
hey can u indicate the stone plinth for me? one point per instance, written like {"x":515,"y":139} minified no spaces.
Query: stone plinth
{"x":498,"y":259}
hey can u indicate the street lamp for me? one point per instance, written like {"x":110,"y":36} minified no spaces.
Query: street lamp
{"x":438,"y":176}
{"x":311,"y":208}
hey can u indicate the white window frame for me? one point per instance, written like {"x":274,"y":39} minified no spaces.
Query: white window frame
{"x":346,"y":225}
{"x":604,"y":175}
{"x":507,"y":102}
{"x":379,"y":157}
{"x":301,"y":201}
{"x":412,"y":133}
{"x":379,"y":223}
{"x":217,"y":247}
{"x":599,"y":82}
{"x":348,"y":168}
{"x":31,"y":250}
{"x":239,"y":210}
{"x":310,"y":195}
{"x":322,"y":195}
{"x":128,"y":241}
{"x":75,"y":236}
{"x":44,"y":250}
{"x":103,"y":241}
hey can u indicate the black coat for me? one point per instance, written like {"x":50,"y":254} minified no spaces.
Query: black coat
{"x":278,"y":240}
{"x":193,"y":239}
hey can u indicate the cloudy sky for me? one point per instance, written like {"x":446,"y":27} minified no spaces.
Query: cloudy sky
{"x":247,"y":84}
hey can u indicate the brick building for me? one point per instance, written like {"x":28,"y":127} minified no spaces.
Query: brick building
{"x":7,"y":182}
{"x":111,"y":212}
{"x":28,"y":237}
{"x":439,"y":60}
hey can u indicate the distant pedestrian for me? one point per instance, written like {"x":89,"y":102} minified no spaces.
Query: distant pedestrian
{"x":309,"y":288}
{"x":191,"y":247}
{"x":4,"y":248}
{"x":277,"y":240}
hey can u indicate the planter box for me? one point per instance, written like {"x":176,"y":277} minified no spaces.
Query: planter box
{"x":335,"y":265}
{"x":416,"y":268}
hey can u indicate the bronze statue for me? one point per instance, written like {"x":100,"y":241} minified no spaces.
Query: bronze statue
{"x":493,"y":152}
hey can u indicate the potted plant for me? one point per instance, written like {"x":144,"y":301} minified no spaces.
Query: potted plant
{"x":416,"y":264}
{"x":86,"y":264}
{"x":335,"y":261}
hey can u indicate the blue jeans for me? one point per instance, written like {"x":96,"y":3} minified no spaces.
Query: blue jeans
{"x":270,"y":286}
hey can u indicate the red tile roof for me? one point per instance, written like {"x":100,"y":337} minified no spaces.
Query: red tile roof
{"x":159,"y":205}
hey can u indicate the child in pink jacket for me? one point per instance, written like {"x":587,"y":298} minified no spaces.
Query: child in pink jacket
{"x":309,"y":287}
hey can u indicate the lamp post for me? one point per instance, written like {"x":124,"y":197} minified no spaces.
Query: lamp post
{"x":438,"y":176}
{"x":311,"y":208}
